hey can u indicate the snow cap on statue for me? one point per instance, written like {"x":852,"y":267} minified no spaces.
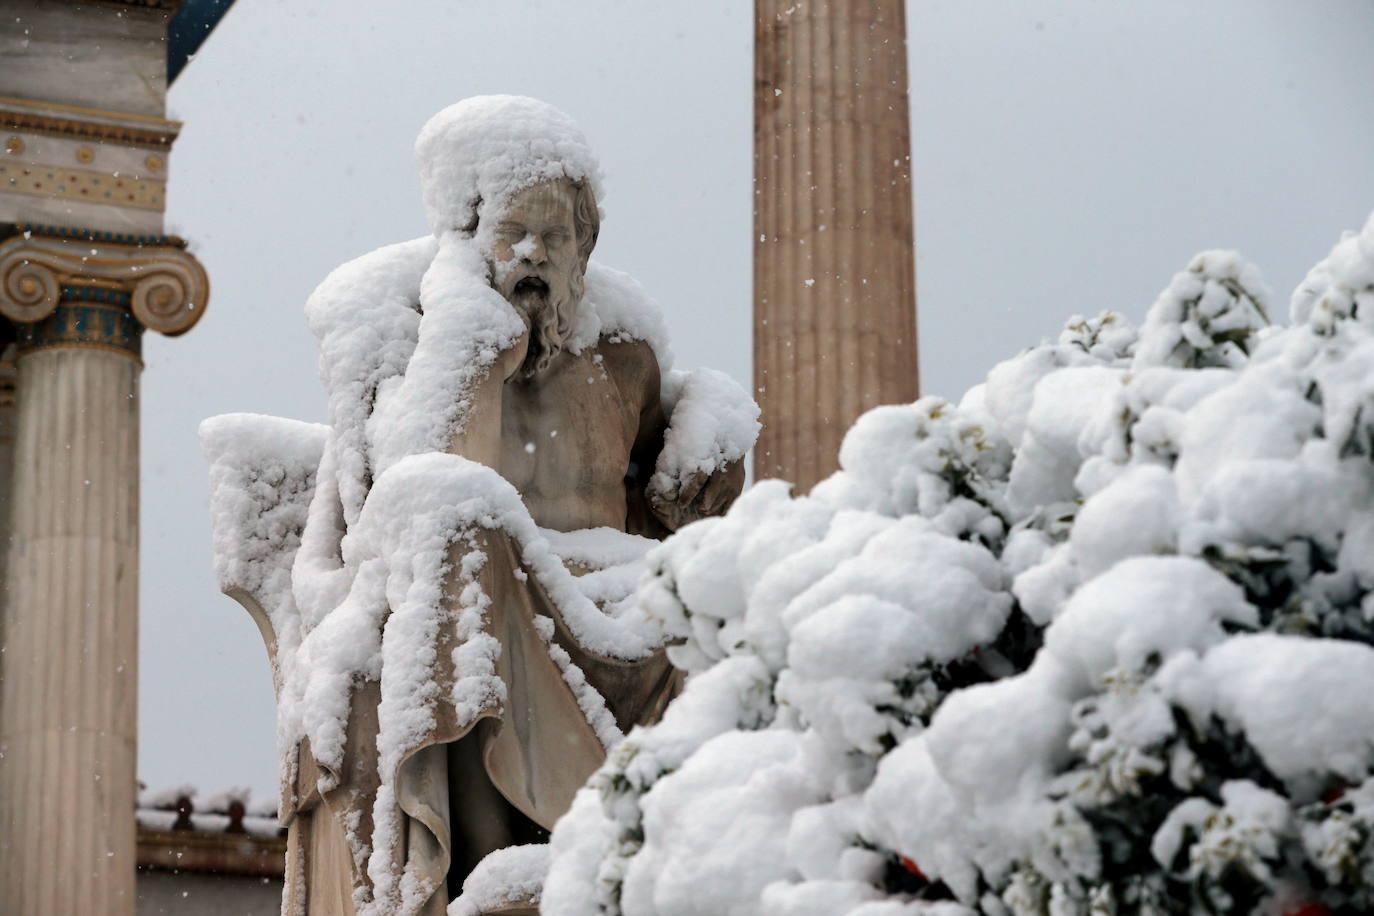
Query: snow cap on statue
{"x":476,"y":154}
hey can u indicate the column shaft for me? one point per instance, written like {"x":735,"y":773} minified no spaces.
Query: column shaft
{"x":834,"y":275}
{"x":8,"y":418}
{"x":68,"y":681}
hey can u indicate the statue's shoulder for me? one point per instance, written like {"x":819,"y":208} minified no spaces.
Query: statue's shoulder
{"x":627,"y":358}
{"x":617,"y":310}
{"x":387,"y":276}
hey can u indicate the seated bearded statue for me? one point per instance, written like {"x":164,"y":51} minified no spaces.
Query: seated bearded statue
{"x":445,"y":573}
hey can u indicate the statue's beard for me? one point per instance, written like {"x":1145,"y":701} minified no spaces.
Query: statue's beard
{"x":548,"y":304}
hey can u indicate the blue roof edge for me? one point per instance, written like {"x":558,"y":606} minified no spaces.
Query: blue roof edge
{"x":188,"y":30}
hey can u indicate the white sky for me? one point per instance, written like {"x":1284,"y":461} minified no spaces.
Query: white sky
{"x":1070,"y":155}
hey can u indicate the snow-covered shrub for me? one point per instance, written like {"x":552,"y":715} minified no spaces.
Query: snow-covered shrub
{"x":1099,"y":639}
{"x":822,"y":631}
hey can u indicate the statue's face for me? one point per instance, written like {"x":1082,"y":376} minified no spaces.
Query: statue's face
{"x":533,"y":249}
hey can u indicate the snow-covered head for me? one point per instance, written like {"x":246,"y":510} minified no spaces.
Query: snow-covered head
{"x":476,"y":154}
{"x":517,"y":176}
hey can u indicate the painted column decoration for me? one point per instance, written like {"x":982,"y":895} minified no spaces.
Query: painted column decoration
{"x":834,"y":276}
{"x":69,"y":674}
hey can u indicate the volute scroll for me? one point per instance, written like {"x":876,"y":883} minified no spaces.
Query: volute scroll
{"x":167,"y":286}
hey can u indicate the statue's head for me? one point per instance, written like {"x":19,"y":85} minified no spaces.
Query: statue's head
{"x":517,"y":175}
{"x":537,"y":248}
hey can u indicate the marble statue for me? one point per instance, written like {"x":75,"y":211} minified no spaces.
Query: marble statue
{"x":445,"y":574}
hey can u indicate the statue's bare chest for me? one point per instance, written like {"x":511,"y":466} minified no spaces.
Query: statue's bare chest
{"x":566,"y":439}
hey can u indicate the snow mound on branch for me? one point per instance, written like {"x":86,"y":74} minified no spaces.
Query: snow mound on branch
{"x":1269,"y":685}
{"x":1208,"y":315}
{"x":1341,"y":285}
{"x":822,"y":635}
{"x":1235,"y":446}
{"x":1097,"y":640}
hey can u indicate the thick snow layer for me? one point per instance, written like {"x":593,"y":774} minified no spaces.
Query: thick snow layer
{"x":1049,"y":457}
{"x":476,"y":154}
{"x":597,"y":548}
{"x":898,"y":460}
{"x":387,"y":625}
{"x":167,"y":797}
{"x":406,"y":330}
{"x":366,"y":317}
{"x":463,"y":326}
{"x":590,"y":858}
{"x":615,"y":307}
{"x":1096,"y":640}
{"x":1341,"y":285}
{"x":1208,"y":315}
{"x":1303,"y":703}
{"x":262,"y":476}
{"x":513,"y":874}
{"x":819,"y":624}
{"x":713,"y":422}
{"x":208,"y":823}
{"x":726,"y":812}
{"x":1142,"y":607}
{"x":263,"y":473}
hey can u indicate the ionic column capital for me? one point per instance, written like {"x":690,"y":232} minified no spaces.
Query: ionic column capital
{"x":153,"y":278}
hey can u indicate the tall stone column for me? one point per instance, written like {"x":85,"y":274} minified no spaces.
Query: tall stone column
{"x":8,"y":418}
{"x":85,"y":144}
{"x":69,"y":615}
{"x":834,"y":277}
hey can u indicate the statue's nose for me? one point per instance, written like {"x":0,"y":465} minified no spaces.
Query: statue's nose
{"x":537,"y":254}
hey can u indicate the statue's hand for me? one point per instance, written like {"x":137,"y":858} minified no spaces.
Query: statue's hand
{"x":699,"y":496}
{"x":509,"y":361}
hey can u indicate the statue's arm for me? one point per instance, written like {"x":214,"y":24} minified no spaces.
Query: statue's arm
{"x":479,"y":438}
{"x":640,"y":517}
{"x":701,"y":495}
{"x":711,"y":417}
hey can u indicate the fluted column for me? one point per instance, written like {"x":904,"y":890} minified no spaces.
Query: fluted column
{"x":834,"y":278}
{"x":8,"y":417}
{"x":69,"y":672}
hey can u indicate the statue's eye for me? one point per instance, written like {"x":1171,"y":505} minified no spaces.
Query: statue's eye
{"x":555,"y":237}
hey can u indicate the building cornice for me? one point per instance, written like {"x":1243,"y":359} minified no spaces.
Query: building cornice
{"x":76,"y":122}
{"x":222,"y":853}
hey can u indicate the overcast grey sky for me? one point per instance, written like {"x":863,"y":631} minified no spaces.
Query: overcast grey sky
{"x":1070,"y":155}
